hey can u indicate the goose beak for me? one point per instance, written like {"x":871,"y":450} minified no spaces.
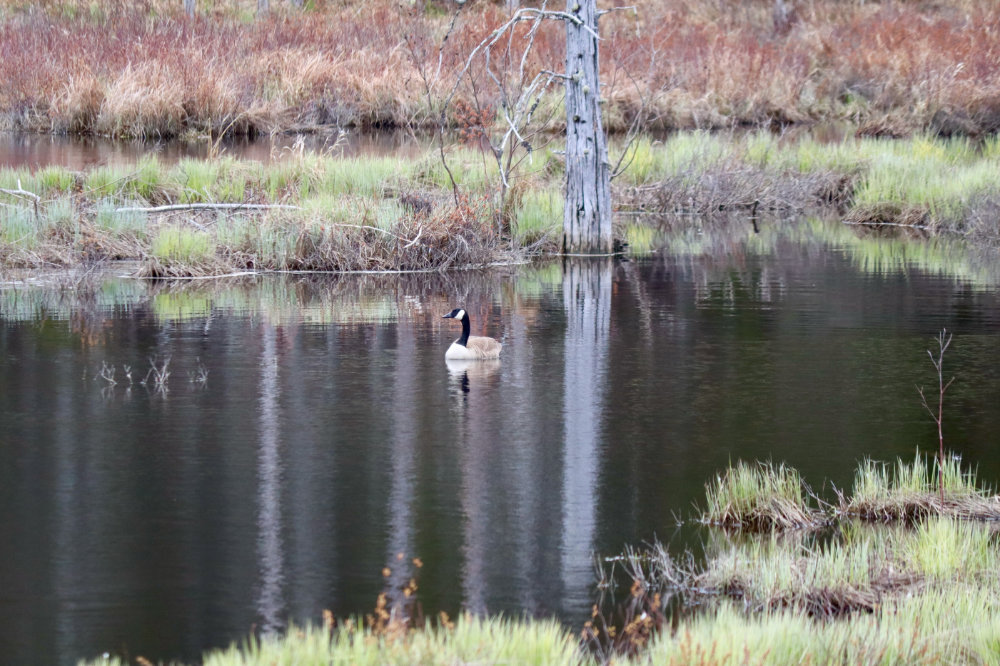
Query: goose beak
{"x":448,"y":316}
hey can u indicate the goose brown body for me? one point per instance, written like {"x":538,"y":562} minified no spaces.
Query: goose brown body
{"x":470,"y":347}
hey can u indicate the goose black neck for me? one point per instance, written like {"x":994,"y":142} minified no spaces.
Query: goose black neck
{"x":465,"y":330}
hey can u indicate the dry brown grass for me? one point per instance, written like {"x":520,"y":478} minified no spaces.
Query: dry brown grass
{"x":749,"y":190}
{"x":145,"y":69}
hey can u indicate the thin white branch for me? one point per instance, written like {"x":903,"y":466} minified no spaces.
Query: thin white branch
{"x":420,"y":230}
{"x":523,"y":14}
{"x":602,"y":12}
{"x":451,"y":26}
{"x":205,"y":206}
{"x":408,"y":241}
{"x":24,"y":194}
{"x":531,"y":43}
{"x":522,"y":115}
{"x":556,"y":75}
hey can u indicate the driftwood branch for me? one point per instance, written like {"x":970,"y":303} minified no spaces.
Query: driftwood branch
{"x":204,"y":206}
{"x":22,"y":193}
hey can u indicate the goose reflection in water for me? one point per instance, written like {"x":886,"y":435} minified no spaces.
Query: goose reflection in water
{"x":465,"y":373}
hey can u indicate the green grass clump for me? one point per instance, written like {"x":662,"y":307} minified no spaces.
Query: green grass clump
{"x":387,"y":214}
{"x":197,"y":179}
{"x":908,"y":491}
{"x":852,"y":568}
{"x":107,"y":219}
{"x":685,"y":154}
{"x":942,"y":550}
{"x":105,"y":181}
{"x":470,"y":640}
{"x":472,"y":169}
{"x":177,"y":245}
{"x":937,"y":176}
{"x":19,"y":227}
{"x":863,"y":593}
{"x":147,"y":181}
{"x":9,"y":179}
{"x":54,"y":179}
{"x":61,"y":212}
{"x":955,"y":625}
{"x":758,"y":497}
{"x":773,"y":571}
{"x":369,"y":176}
{"x":689,"y":153}
{"x":540,"y":215}
{"x":643,"y":163}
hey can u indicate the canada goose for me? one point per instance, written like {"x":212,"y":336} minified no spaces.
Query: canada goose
{"x":474,"y":347}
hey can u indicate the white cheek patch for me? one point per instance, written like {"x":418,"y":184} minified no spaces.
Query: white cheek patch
{"x":460,"y":315}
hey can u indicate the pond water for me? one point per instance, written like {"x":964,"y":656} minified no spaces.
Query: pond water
{"x":310,"y":429}
{"x":35,"y":151}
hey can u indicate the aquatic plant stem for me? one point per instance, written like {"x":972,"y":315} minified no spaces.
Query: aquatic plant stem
{"x":943,"y":340}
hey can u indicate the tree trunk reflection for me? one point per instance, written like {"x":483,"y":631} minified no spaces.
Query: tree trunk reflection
{"x":587,"y":301}
{"x":270,"y":548}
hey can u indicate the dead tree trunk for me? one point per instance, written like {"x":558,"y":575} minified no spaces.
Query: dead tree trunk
{"x":587,"y":217}
{"x":263,"y":6}
{"x":189,"y":7}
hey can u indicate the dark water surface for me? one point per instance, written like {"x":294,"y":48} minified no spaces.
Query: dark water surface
{"x":331,"y":435}
{"x":35,"y":151}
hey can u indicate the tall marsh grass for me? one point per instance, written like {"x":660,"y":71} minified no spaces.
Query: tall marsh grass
{"x":909,"y":490}
{"x":184,"y":246}
{"x":767,"y":497}
{"x":468,"y":640}
{"x":540,"y":215}
{"x":760,"y":497}
{"x":107,"y":219}
{"x":20,"y":228}
{"x":859,"y":592}
{"x":954,"y":625}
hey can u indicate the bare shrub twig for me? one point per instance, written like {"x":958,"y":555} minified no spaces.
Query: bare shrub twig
{"x":943,"y":339}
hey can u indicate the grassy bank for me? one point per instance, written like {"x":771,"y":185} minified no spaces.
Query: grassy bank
{"x":318,"y":212}
{"x":921,"y":182}
{"x":900,"y":592}
{"x":917,"y":584}
{"x":145,"y":69}
{"x":767,"y":497}
{"x":305,"y":212}
{"x":895,"y":587}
